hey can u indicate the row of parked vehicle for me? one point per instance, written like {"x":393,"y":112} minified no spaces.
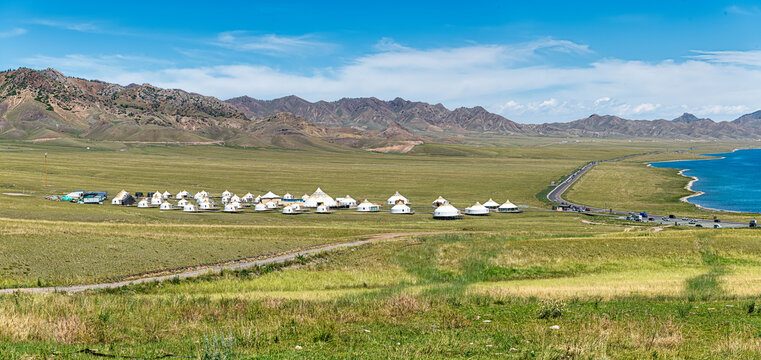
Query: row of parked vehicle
{"x":86,"y":197}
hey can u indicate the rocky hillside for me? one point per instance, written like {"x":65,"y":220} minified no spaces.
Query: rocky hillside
{"x":686,"y":126}
{"x":375,"y":114}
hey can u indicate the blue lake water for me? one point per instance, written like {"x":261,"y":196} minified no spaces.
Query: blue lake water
{"x":729,"y":183}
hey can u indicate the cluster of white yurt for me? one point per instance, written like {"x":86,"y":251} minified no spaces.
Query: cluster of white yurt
{"x":367,"y":206}
{"x":477,"y":210}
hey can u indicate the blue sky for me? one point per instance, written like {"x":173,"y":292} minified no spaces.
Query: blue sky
{"x":531,"y":62}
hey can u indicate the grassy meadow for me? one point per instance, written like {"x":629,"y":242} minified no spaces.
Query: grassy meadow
{"x":538,"y":284}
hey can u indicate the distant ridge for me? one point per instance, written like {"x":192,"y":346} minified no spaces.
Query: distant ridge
{"x":45,"y":104}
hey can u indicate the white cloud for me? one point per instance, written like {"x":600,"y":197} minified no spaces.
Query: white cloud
{"x":68,"y":25}
{"x":750,"y":58}
{"x":270,"y":43}
{"x":502,"y":78}
{"x":12,"y":32}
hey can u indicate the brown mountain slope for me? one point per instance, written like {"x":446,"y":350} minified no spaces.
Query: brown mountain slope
{"x":374,"y":114}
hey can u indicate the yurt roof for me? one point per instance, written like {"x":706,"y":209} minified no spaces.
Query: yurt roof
{"x":400,"y":206}
{"x":491,"y":203}
{"x":446,"y":210}
{"x":270,"y":195}
{"x":508,"y":204}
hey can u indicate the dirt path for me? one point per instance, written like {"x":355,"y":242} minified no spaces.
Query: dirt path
{"x":214,"y":269}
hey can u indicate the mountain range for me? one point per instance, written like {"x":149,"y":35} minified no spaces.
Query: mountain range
{"x":45,"y":104}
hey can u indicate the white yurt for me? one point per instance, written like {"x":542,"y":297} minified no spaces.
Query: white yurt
{"x":143,"y":203}
{"x":182,"y":202}
{"x":477,"y":209}
{"x":491,"y":204}
{"x":117,"y":200}
{"x":396,"y":198}
{"x":347,"y":201}
{"x":235,"y":198}
{"x":367,"y":206}
{"x":296,"y":206}
{"x":288,"y":196}
{"x":260,"y":207}
{"x":319,"y":197}
{"x":322,"y":209}
{"x":507,"y":207}
{"x":167,"y":195}
{"x":288,"y":210}
{"x":200,"y":195}
{"x":206,"y":205}
{"x":166,"y":205}
{"x":225,"y":199}
{"x":190,"y":207}
{"x":226,"y":194}
{"x":230,"y":208}
{"x":235,"y":204}
{"x":258,"y":199}
{"x":304,"y":197}
{"x":446,"y":212}
{"x":271,"y":205}
{"x":439,"y":202}
{"x":401,"y":209}
{"x":182,"y":195}
{"x":157,"y":199}
{"x":249,"y":197}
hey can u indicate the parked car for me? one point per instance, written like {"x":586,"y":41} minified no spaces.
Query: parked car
{"x":717,"y":226}
{"x":716,"y":220}
{"x":698,"y":225}
{"x":752,"y":223}
{"x":672,"y":216}
{"x":651,"y":219}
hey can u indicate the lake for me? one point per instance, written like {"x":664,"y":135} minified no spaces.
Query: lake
{"x":728,"y":183}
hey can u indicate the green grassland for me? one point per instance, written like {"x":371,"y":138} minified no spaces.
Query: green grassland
{"x":481,"y":287}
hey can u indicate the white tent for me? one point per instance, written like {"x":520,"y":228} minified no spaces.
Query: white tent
{"x":75,"y":194}
{"x":143,"y":203}
{"x":446,"y":212}
{"x":225,"y":199}
{"x":271,"y":205}
{"x":157,"y":198}
{"x":117,"y":200}
{"x":319,"y":197}
{"x":226,"y":194}
{"x":230,"y":208}
{"x":507,"y":207}
{"x":401,"y":209}
{"x":235,"y":204}
{"x":289,"y":210}
{"x":347,"y":201}
{"x":367,"y":206}
{"x":304,"y":197}
{"x":182,"y":202}
{"x":201,"y":194}
{"x":190,"y":207}
{"x":166,"y":205}
{"x":296,"y":207}
{"x":477,"y":209}
{"x":235,"y":198}
{"x":182,"y":195}
{"x":396,"y":198}
{"x":439,"y":202}
{"x":260,"y":207}
{"x":322,"y":209}
{"x":166,"y":195}
{"x":258,"y":199}
{"x":206,"y":205}
{"x":288,"y":196}
{"x":270,"y":196}
{"x":491,"y":204}
{"x":249,"y":197}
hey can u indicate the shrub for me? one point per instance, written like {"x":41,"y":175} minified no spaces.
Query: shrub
{"x":550,"y":309}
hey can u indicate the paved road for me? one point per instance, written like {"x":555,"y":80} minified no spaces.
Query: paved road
{"x":212,"y":269}
{"x":556,"y":195}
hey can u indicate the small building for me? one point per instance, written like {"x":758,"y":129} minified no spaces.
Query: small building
{"x":289,"y":210}
{"x":182,"y":203}
{"x":491,"y":204}
{"x":509,"y":207}
{"x":401,"y":209}
{"x":230,"y":208}
{"x":260,"y":207}
{"x":446,"y":212}
{"x":270,"y":197}
{"x":396,"y":199}
{"x":206,"y":205}
{"x":143,"y":203}
{"x":347,"y":202}
{"x":477,"y":210}
{"x":248,"y":198}
{"x":367,"y":206}
{"x":287,"y":196}
{"x":166,"y":195}
{"x":166,"y":205}
{"x":226,"y":194}
{"x":182,"y":195}
{"x":320,"y":197}
{"x":157,"y":198}
{"x":190,"y":207}
{"x":271,"y":205}
{"x":322,"y":209}
{"x":439,"y":202}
